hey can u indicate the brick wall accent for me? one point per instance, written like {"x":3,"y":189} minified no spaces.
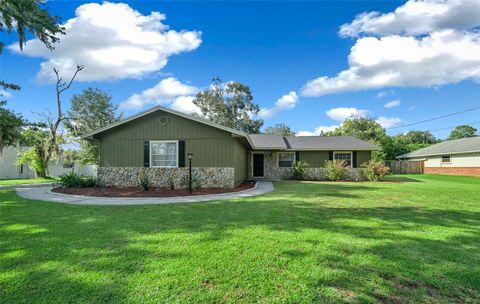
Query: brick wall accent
{"x":466,"y":171}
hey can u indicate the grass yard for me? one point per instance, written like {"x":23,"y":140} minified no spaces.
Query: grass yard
{"x":22,"y":181}
{"x":409,"y":242}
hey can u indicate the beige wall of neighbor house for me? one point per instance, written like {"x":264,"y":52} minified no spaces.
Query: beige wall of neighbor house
{"x":456,"y":160}
{"x":459,"y":164}
{"x":9,"y":169}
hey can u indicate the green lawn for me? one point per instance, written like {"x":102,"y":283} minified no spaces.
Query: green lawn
{"x":409,"y":242}
{"x":21,"y":181}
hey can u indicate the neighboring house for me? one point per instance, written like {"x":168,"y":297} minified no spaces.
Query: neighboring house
{"x":156,"y":143}
{"x":9,"y":169}
{"x":454,"y":157}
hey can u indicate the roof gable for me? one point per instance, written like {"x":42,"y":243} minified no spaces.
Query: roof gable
{"x":160,"y":108}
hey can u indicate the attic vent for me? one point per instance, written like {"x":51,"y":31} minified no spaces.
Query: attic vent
{"x":163,"y":120}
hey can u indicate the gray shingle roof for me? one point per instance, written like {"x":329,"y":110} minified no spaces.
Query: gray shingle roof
{"x":328,"y":143}
{"x":267,"y":142}
{"x":456,"y":146}
{"x":275,"y":142}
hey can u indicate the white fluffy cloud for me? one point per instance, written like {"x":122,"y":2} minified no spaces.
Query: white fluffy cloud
{"x":388,"y":122}
{"x":392,"y":104}
{"x":319,"y":130}
{"x":395,"y":61}
{"x":416,"y":17}
{"x":423,"y":43}
{"x":112,"y":41}
{"x":340,"y":114}
{"x":286,"y":102}
{"x":168,"y":91}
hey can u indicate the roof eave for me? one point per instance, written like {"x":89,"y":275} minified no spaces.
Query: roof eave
{"x":435,"y":154}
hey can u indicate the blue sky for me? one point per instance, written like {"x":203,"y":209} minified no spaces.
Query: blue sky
{"x":278,"y":49}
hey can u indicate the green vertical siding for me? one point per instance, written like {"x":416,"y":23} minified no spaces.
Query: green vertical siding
{"x":363,"y":157}
{"x":123,"y":146}
{"x":240,"y":162}
{"x":316,"y":159}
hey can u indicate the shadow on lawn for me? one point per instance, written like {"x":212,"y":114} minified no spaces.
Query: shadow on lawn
{"x":40,"y":241}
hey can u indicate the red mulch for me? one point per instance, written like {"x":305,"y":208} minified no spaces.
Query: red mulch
{"x":152,"y":192}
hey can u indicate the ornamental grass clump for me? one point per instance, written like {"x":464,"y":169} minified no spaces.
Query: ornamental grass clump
{"x":71,"y":179}
{"x":374,"y":171}
{"x":144,"y":182}
{"x":336,"y":170}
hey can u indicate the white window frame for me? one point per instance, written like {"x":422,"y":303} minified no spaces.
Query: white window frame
{"x":287,"y":152}
{"x":344,"y":152}
{"x":159,"y":142}
{"x":449,"y":159}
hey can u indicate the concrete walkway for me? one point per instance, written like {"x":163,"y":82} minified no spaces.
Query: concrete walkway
{"x":44,"y":194}
{"x":38,"y":185}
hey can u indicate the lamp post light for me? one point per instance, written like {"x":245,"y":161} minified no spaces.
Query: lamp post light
{"x":190,"y":172}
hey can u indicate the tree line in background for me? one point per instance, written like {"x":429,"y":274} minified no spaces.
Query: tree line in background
{"x":229,"y":104}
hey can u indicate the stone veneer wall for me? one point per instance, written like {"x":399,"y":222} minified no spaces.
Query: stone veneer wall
{"x":272,"y":171}
{"x":211,"y":177}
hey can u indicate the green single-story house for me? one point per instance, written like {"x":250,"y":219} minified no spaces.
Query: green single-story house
{"x":156,"y":143}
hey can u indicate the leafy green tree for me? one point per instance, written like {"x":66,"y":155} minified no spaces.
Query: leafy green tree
{"x":417,"y":137}
{"x":10,"y":126}
{"x":34,"y":137}
{"x":23,"y":16}
{"x":229,"y":104}
{"x":280,"y":129}
{"x":90,"y":110}
{"x":364,"y":128}
{"x":463,"y":131}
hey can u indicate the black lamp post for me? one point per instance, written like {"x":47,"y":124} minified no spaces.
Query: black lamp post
{"x":190,"y":172}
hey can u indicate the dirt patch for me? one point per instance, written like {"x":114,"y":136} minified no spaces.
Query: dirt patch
{"x":152,"y":192}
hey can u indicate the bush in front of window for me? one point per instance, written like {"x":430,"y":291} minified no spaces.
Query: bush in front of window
{"x":374,"y":171}
{"x":299,"y":170}
{"x":144,"y":182}
{"x":336,"y":170}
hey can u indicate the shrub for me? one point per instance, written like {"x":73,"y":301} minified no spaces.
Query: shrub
{"x":336,"y":170}
{"x":374,"y":171}
{"x":144,"y":182}
{"x":72,"y":179}
{"x":299,"y":170}
{"x":89,"y":181}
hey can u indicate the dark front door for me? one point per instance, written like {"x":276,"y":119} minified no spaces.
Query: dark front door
{"x":258,"y":165}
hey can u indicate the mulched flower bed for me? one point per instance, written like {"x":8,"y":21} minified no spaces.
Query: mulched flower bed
{"x":152,"y":192}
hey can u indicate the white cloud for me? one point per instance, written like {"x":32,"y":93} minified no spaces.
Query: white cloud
{"x":112,"y":41}
{"x":185,"y":104}
{"x":286,"y":102}
{"x":388,"y":122}
{"x":167,"y":91}
{"x":441,"y":58}
{"x":319,"y":130}
{"x":340,"y":114}
{"x":392,"y":104}
{"x":382,"y":94}
{"x":416,"y":17}
{"x":412,"y":108}
{"x":4,"y":94}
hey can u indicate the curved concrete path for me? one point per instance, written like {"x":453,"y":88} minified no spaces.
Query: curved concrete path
{"x":44,"y":194}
